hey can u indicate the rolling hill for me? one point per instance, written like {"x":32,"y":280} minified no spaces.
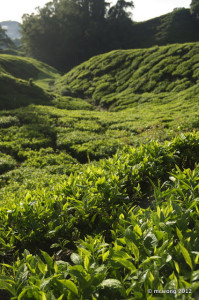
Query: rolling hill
{"x":22,"y":80}
{"x":127,"y":78}
{"x":99,"y":176}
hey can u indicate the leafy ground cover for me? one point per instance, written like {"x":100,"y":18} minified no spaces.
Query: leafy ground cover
{"x":142,"y":211}
{"x":18,"y":92}
{"x":126,"y":78}
{"x":46,"y":141}
{"x":99,"y":198}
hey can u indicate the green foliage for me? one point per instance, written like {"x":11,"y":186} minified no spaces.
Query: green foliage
{"x":26,"y":68}
{"x":47,"y":158}
{"x":96,"y":27}
{"x":94,"y":196}
{"x":7,"y":121}
{"x":5,"y":41}
{"x":23,"y":81}
{"x":6,"y":163}
{"x":111,"y":80}
{"x":67,"y":102}
{"x":149,"y":248}
{"x":136,"y":248}
{"x":18,"y":92}
{"x":105,"y":202}
{"x":85,"y":29}
{"x":194,"y":7}
{"x":179,"y":26}
{"x":33,"y":71}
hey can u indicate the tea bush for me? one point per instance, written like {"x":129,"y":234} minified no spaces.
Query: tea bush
{"x":99,"y":204}
{"x":154,"y":248}
{"x":8,"y":121}
{"x":6,"y":163}
{"x":122,"y":77}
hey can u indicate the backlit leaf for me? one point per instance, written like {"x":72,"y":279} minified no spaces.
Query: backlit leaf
{"x":69,"y":285}
{"x":111,"y":283}
{"x":186,"y":255}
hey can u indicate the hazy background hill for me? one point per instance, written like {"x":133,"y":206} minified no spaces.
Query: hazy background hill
{"x":12,"y":29}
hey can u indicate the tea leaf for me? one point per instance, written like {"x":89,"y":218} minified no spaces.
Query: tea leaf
{"x":105,"y":255}
{"x":186,"y":255}
{"x":69,"y":285}
{"x":111,"y":284}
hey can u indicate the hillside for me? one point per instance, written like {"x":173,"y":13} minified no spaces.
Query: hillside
{"x":126,"y":78}
{"x":27,"y":68}
{"x":111,"y":32}
{"x":22,"y":81}
{"x":143,"y":94}
{"x":99,"y":177}
{"x":178,"y":26}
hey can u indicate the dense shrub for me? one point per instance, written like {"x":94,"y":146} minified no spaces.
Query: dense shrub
{"x":6,"y":163}
{"x":154,"y":248}
{"x":7,"y":121}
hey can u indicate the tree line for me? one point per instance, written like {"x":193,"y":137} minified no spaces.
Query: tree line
{"x":66,"y":32}
{"x":5,"y":41}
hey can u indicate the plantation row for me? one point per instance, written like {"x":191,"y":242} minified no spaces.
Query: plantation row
{"x":113,"y":81}
{"x":142,"y":211}
{"x":114,"y":213}
{"x":125,"y":78}
{"x":44,"y":142}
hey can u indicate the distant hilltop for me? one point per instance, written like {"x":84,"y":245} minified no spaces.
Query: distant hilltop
{"x":12,"y":29}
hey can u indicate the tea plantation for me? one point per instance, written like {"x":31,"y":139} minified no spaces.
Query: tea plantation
{"x":99,"y":177}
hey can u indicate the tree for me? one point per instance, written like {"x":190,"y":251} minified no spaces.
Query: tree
{"x":121,"y":24}
{"x":46,"y":33}
{"x":194,"y":7}
{"x":66,"y":32}
{"x":5,"y":41}
{"x":119,"y":10}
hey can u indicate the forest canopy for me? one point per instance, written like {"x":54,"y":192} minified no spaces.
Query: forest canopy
{"x":66,"y":32}
{"x":194,"y":6}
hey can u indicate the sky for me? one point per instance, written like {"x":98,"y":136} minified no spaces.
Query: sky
{"x":144,"y":9}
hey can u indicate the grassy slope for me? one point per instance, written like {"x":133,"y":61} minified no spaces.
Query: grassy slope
{"x":23,"y":81}
{"x":126,"y":78}
{"x":27,"y":68}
